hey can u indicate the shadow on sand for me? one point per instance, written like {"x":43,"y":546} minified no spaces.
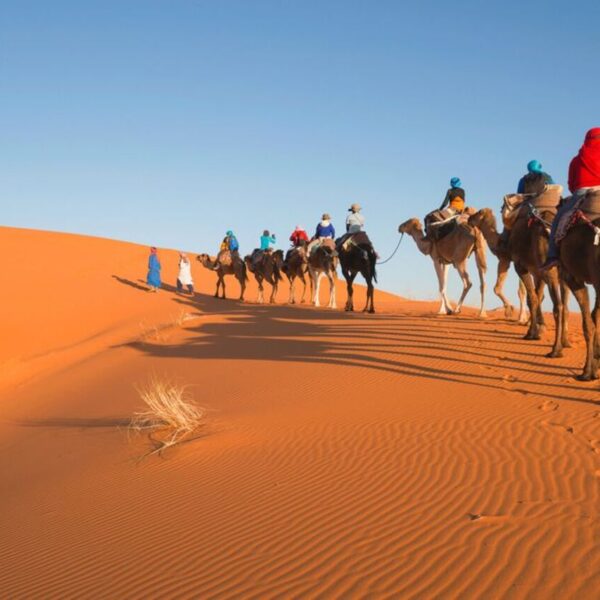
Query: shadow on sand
{"x":479,"y":353}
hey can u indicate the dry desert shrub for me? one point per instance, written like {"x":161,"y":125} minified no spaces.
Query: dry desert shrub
{"x":171,"y":413}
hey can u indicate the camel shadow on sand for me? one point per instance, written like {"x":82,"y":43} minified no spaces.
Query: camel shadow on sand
{"x":477,"y":353}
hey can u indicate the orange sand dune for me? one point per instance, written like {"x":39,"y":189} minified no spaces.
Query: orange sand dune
{"x":396,"y":455}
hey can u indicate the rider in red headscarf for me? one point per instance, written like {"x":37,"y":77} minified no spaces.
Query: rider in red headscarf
{"x":584,"y":171}
{"x":584,"y":175}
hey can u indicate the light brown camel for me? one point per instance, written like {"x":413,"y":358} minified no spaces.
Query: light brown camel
{"x":323,"y":262}
{"x":234,"y":266}
{"x":266,"y":266}
{"x":295,"y":267}
{"x":453,"y":249}
{"x":527,"y":248}
{"x":580,"y":265}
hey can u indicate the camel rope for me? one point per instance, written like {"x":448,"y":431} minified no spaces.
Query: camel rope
{"x":382,"y":262}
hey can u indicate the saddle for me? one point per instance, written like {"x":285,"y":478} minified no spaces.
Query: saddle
{"x":225,"y":258}
{"x":585,"y":211}
{"x":440,"y":223}
{"x":517,"y":206}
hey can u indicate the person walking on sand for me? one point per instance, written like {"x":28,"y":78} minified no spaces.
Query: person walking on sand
{"x":153,"y":277}
{"x":185,"y":274}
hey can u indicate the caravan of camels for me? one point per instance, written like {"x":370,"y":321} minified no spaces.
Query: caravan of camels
{"x":535,"y":221}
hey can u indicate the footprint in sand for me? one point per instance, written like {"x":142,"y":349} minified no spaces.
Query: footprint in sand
{"x":486,"y":518}
{"x":548,"y":406}
{"x":595,"y":445}
{"x":565,"y":428}
{"x":509,"y":378}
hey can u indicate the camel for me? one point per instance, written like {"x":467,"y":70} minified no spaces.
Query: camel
{"x":295,"y":266}
{"x":580,"y":265}
{"x":453,"y":249}
{"x":235,"y":267}
{"x":358,"y":256}
{"x":322,"y":262}
{"x":527,"y":248}
{"x":266,"y":268}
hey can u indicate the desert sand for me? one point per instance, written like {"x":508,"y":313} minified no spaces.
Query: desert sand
{"x":396,"y":455}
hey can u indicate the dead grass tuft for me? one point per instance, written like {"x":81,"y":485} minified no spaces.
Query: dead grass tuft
{"x":171,"y":414}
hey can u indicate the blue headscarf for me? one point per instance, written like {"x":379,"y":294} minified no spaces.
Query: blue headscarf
{"x":455,"y":182}
{"x":534,"y":166}
{"x":229,"y":233}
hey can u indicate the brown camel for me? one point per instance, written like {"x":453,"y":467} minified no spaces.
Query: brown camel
{"x":266,"y":266}
{"x":580,"y":265}
{"x":453,"y":249}
{"x":357,"y":255}
{"x":528,"y":248}
{"x":295,"y":266}
{"x":322,"y":262}
{"x":234,"y":266}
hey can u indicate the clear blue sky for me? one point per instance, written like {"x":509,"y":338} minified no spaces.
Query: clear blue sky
{"x":168,"y":122}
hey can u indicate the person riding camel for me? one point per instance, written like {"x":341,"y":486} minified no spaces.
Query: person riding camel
{"x":455,"y":197}
{"x":584,"y":177}
{"x":535,"y":181}
{"x":267,"y":241}
{"x":228,"y":245}
{"x":324,"y":231}
{"x":453,"y":204}
{"x":355,"y":222}
{"x":299,"y":237}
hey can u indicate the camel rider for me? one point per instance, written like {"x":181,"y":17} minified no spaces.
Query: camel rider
{"x":267,"y":241}
{"x":229,"y":244}
{"x":324,"y":231}
{"x":299,"y":237}
{"x":455,"y":197}
{"x":535,"y":181}
{"x":584,"y":177}
{"x":355,"y":222}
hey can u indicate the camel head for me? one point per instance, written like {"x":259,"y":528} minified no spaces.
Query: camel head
{"x":483,"y":218}
{"x":206,"y":260}
{"x":411,"y":226}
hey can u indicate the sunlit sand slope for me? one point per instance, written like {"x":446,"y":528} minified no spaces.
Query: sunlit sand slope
{"x":344,"y":455}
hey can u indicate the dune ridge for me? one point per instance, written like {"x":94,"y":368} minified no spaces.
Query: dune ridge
{"x":395,"y":455}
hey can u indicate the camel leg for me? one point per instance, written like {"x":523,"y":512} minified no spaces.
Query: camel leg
{"x":481,"y":270}
{"x":274,"y":287}
{"x":292,"y":299}
{"x":332,"y":290}
{"x":317,"y":302}
{"x":540,"y":285}
{"x":533,"y":332}
{"x":369,"y":306}
{"x":464,"y":275}
{"x":596,"y":340}
{"x":242,"y":281}
{"x":260,"y":298}
{"x":589,"y":330}
{"x":303,"y":279}
{"x":564,"y":294}
{"x":503,"y":266}
{"x":557,"y":311}
{"x":349,"y":277}
{"x":442,"y":274}
{"x":522,"y":304}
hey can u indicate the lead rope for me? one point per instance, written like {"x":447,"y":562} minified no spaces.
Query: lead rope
{"x":382,"y":262}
